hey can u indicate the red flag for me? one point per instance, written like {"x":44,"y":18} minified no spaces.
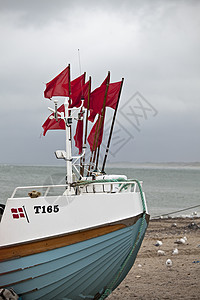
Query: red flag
{"x":59,"y":86}
{"x":113,"y":94}
{"x":85,"y":93}
{"x":81,"y":94}
{"x":93,"y":135}
{"x":77,"y":86}
{"x":78,"y":137}
{"x":51,"y":123}
{"x":97,"y":99}
{"x":111,"y":100}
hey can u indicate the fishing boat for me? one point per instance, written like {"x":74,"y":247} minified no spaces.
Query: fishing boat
{"x":76,"y":240}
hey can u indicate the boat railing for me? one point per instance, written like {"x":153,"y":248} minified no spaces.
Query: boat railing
{"x":77,"y":188}
{"x":39,"y":190}
{"x":107,"y":186}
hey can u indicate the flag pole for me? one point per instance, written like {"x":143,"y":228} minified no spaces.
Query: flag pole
{"x":88,"y":108}
{"x":69,"y":102}
{"x":69,"y":80}
{"x":97,"y":159}
{"x":81,"y":159}
{"x":102,"y":116}
{"x":86,"y":126}
{"x":111,"y":129}
{"x":92,"y":152}
{"x":68,"y":138}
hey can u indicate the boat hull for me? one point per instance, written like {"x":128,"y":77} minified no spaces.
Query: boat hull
{"x":67,"y":214}
{"x":83,"y":270}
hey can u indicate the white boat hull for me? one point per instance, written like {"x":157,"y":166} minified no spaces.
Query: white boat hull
{"x":71,"y":247}
{"x":72,"y":213}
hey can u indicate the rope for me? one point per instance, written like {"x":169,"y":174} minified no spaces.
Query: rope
{"x":109,"y":289}
{"x":191,"y":207}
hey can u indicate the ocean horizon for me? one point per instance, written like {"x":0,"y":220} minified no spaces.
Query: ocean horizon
{"x":170,"y":188}
{"x":122,"y":164}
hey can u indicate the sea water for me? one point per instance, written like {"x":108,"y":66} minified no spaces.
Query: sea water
{"x":168,"y":189}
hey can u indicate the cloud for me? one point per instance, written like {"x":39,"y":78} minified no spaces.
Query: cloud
{"x":154,"y":45}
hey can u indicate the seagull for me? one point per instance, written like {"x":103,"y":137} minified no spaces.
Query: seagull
{"x":168,"y":262}
{"x":175,"y":251}
{"x":181,"y":241}
{"x":158,"y":243}
{"x":161,"y":252}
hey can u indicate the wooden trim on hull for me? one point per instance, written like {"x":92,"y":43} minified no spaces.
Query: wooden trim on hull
{"x":39,"y":246}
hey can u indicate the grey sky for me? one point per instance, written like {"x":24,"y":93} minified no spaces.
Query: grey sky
{"x":154,"y":45}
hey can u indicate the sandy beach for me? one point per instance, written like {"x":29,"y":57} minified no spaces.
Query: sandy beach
{"x":150,"y":278}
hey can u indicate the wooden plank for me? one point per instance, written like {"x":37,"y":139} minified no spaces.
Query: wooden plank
{"x":29,"y":248}
{"x":46,"y":244}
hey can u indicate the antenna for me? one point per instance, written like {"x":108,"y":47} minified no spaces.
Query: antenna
{"x":79,"y":60}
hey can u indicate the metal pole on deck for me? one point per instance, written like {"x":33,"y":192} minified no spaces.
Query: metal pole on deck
{"x":111,"y":130}
{"x":68,"y":136}
{"x":86,"y":125}
{"x":68,"y":143}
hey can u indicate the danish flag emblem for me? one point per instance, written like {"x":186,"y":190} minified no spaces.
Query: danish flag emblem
{"x":18,"y":213}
